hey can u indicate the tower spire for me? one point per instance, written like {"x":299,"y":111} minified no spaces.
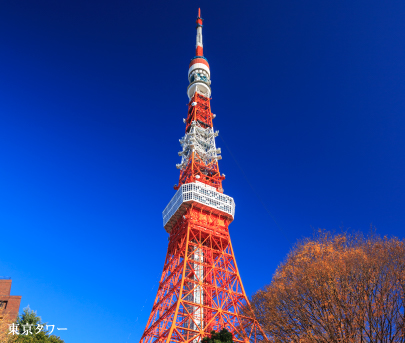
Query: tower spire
{"x":199,"y":70}
{"x":199,"y":43}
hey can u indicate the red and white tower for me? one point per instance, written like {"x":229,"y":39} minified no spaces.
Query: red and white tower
{"x":200,"y":289}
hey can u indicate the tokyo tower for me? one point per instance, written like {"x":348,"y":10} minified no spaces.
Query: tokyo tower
{"x":200,"y":289}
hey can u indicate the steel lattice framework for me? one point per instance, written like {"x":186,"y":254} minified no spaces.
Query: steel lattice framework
{"x":200,"y":289}
{"x":200,"y":155}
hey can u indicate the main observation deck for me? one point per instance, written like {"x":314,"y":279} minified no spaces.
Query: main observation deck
{"x":201,"y":196}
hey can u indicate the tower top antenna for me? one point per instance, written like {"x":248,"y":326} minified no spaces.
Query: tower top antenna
{"x":199,"y":42}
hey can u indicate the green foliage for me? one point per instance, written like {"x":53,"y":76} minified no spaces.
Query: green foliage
{"x":30,"y":317}
{"x":224,"y":336}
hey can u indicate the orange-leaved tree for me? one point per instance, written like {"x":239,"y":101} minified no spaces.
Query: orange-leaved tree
{"x":336,"y":288}
{"x":5,"y":336}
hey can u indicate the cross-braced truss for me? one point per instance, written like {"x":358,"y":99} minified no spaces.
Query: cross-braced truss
{"x":201,"y":141}
{"x":200,"y":289}
{"x":200,"y":155}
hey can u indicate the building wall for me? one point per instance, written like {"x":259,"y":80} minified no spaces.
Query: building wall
{"x":9,"y":304}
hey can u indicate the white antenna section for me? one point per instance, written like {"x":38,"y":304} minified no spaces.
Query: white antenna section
{"x":200,"y":141}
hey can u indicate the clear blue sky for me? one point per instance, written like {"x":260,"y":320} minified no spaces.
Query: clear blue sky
{"x":309,"y":98}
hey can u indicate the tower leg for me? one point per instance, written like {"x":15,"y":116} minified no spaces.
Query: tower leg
{"x":200,"y":289}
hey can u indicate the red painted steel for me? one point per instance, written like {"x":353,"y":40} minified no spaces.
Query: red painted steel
{"x":199,"y":60}
{"x":199,"y":110}
{"x":199,"y":51}
{"x":173,"y":314}
{"x":200,"y":289}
